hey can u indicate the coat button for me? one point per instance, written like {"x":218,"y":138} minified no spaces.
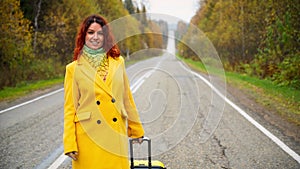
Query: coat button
{"x":98,"y":121}
{"x":98,"y":102}
{"x":115,"y":119}
{"x":113,"y":100}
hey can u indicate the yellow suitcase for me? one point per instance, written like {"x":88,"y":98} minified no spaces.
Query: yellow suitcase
{"x":144,"y":164}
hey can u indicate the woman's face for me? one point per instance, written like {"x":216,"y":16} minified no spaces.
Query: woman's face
{"x":94,"y":36}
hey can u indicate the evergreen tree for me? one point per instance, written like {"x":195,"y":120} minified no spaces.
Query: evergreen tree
{"x":129,"y":6}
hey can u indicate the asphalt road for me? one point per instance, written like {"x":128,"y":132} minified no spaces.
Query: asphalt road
{"x":189,"y":124}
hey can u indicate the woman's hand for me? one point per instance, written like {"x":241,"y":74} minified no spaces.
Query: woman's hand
{"x":138,"y":140}
{"x":72,"y":155}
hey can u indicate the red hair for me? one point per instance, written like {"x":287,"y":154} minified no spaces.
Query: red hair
{"x":108,"y":45}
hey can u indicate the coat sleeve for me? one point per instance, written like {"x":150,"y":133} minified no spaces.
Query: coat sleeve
{"x":135,"y":127}
{"x":70,"y":96}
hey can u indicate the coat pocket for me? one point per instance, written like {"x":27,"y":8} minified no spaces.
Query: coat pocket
{"x":82,"y":116}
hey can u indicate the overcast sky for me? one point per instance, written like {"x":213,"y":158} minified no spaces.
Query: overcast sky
{"x":183,"y":9}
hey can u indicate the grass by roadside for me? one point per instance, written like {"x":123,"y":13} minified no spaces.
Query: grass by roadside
{"x":284,"y":100}
{"x":9,"y":93}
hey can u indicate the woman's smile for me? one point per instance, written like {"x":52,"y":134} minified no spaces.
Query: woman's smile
{"x":94,"y":36}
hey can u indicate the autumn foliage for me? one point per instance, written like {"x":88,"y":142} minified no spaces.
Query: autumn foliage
{"x":259,"y":38}
{"x":37,"y":37}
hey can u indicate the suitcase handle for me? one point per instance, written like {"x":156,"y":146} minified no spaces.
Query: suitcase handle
{"x":131,"y":151}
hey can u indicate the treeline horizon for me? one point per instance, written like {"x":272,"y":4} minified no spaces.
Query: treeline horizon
{"x":38,"y":37}
{"x":257,"y":38}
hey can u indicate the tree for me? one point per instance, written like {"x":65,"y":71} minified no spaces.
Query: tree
{"x":38,"y":44}
{"x":59,"y":27}
{"x":279,"y":56}
{"x":15,"y":50}
{"x":256,"y":37}
{"x":129,"y":6}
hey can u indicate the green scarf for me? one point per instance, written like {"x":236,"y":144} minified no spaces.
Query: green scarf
{"x":97,"y":59}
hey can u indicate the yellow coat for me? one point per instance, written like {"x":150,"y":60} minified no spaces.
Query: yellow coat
{"x":99,"y":116}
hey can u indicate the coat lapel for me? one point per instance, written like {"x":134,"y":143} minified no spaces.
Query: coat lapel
{"x":111,"y":70}
{"x":91,"y":74}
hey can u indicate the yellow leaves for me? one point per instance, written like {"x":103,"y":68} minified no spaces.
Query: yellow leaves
{"x":15,"y":49}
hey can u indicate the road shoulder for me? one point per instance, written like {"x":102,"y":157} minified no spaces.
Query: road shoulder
{"x":32,"y":95}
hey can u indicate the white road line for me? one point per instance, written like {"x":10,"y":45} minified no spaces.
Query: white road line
{"x":141,"y":80}
{"x":138,"y":85}
{"x":30,"y":101}
{"x":58,"y":161}
{"x":276,"y":140}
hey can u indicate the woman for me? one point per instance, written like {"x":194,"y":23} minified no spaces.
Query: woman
{"x":99,"y":110}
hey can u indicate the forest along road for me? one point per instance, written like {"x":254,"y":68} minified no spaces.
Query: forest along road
{"x":179,"y":112}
